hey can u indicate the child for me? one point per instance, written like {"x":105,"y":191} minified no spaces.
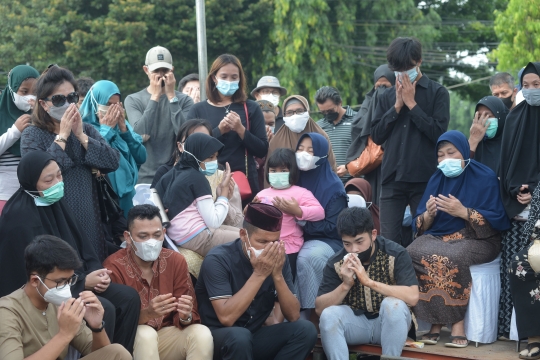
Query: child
{"x":296,"y":203}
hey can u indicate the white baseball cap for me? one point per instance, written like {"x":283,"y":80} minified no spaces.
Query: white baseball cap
{"x":158,"y":57}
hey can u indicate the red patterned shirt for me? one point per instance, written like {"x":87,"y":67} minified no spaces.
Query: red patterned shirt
{"x":171,"y":276}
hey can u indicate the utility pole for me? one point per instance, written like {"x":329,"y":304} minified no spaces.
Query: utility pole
{"x":201,"y":46}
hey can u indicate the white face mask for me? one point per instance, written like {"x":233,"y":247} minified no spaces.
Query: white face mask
{"x":306,"y":161}
{"x":102,"y":109}
{"x":257,"y":252}
{"x":274,"y":99}
{"x":297,"y":123}
{"x":22,"y":102}
{"x":56,"y":296}
{"x":148,"y":250}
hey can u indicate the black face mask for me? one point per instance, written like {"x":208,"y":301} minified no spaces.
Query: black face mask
{"x":331,"y":117}
{"x":508,"y":102}
{"x":366,"y":254}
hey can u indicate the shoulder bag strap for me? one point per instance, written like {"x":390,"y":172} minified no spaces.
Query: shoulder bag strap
{"x":247,"y":129}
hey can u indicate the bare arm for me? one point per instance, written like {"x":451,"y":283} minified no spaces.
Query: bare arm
{"x":332,"y":298}
{"x":289,"y":304}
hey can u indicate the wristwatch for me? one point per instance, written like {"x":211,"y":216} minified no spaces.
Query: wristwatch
{"x":173,"y":100}
{"x":60,"y":139}
{"x":188,"y":320}
{"x":97,"y":330}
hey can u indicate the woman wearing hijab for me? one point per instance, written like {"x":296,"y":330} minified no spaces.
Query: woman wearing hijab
{"x":38,"y":208}
{"x":321,"y":238}
{"x":16,"y":102}
{"x":77,"y":147}
{"x":383,"y":79}
{"x":362,"y":187}
{"x":102,"y":109}
{"x":458,"y":224}
{"x":297,"y":123}
{"x":196,"y":219}
{"x":519,"y":172}
{"x":486,"y":131}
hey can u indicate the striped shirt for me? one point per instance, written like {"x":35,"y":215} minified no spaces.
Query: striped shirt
{"x":340,"y":137}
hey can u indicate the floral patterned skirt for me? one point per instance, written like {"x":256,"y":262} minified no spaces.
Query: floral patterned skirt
{"x":525,"y":289}
{"x":442,"y":268}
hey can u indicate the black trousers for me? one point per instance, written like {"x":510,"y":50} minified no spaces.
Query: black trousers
{"x":122,"y":306}
{"x":285,"y":341}
{"x":395,"y":196}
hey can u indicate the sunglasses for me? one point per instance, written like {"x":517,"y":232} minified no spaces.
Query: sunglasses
{"x":60,"y":100}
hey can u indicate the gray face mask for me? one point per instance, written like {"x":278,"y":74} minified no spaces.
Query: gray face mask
{"x":57,"y":112}
{"x":532,"y":96}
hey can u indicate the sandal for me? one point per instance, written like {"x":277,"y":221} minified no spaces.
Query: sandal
{"x":432,"y":338}
{"x":526,"y":354}
{"x":454,"y":345}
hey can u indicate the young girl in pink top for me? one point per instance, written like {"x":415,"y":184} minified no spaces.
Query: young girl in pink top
{"x":297,"y":204}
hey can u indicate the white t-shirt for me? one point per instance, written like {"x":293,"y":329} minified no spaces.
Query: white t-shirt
{"x":9,"y":182}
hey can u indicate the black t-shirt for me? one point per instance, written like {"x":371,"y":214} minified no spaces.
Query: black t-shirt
{"x":234,"y":151}
{"x":224,"y":271}
{"x":403,"y":269}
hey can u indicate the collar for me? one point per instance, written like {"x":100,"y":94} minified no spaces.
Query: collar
{"x":424,"y":81}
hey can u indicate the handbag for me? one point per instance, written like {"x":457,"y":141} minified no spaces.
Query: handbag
{"x":108,"y":200}
{"x":368,"y":160}
{"x":240,"y":177}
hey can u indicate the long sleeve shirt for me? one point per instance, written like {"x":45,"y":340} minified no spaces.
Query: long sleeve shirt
{"x":410,"y":136}
{"x":292,"y":233}
{"x":234,"y":152}
{"x":8,"y":163}
{"x":171,"y":276}
{"x":158,"y":123}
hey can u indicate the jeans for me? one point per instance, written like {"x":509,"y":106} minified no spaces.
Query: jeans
{"x":395,"y":196}
{"x":340,"y":327}
{"x":285,"y":341}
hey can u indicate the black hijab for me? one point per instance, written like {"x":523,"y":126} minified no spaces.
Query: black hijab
{"x":22,"y":220}
{"x":185,"y":183}
{"x":520,"y":150}
{"x":488,"y":152}
{"x":361,"y":123}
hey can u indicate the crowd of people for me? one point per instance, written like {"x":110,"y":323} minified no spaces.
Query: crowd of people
{"x":262,"y":223}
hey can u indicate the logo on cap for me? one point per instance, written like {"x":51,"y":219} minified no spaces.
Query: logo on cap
{"x":160,"y":57}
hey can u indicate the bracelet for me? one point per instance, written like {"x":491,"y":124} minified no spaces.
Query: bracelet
{"x":97,"y":330}
{"x":188,"y":320}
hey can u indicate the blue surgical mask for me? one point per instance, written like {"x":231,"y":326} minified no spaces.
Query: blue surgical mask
{"x":532,"y":96}
{"x":492,"y":127}
{"x":452,"y":167}
{"x":413,"y":74}
{"x":227,"y":88}
{"x":211,"y":168}
{"x":279,"y":180}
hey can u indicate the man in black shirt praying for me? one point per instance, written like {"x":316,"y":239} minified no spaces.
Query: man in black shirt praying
{"x":408,"y":120}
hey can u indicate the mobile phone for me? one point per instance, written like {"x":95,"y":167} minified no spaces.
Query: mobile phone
{"x":525,"y":191}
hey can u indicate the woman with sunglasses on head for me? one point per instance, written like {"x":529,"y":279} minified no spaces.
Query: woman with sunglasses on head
{"x":102,"y":109}
{"x":77,"y":147}
{"x":38,"y":208}
{"x":16,"y":103}
{"x":297,"y":123}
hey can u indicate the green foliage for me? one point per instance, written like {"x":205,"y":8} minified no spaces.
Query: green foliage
{"x":461,"y":113}
{"x":518,"y":28}
{"x":108,"y":39}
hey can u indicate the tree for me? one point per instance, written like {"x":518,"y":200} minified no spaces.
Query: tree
{"x":108,"y":39}
{"x":517,"y":27}
{"x":339,"y":43}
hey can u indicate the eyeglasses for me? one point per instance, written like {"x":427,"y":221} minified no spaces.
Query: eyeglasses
{"x":270,"y":92}
{"x":292,"y":112}
{"x":60,"y":100}
{"x":326,"y":112}
{"x":60,"y":284}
